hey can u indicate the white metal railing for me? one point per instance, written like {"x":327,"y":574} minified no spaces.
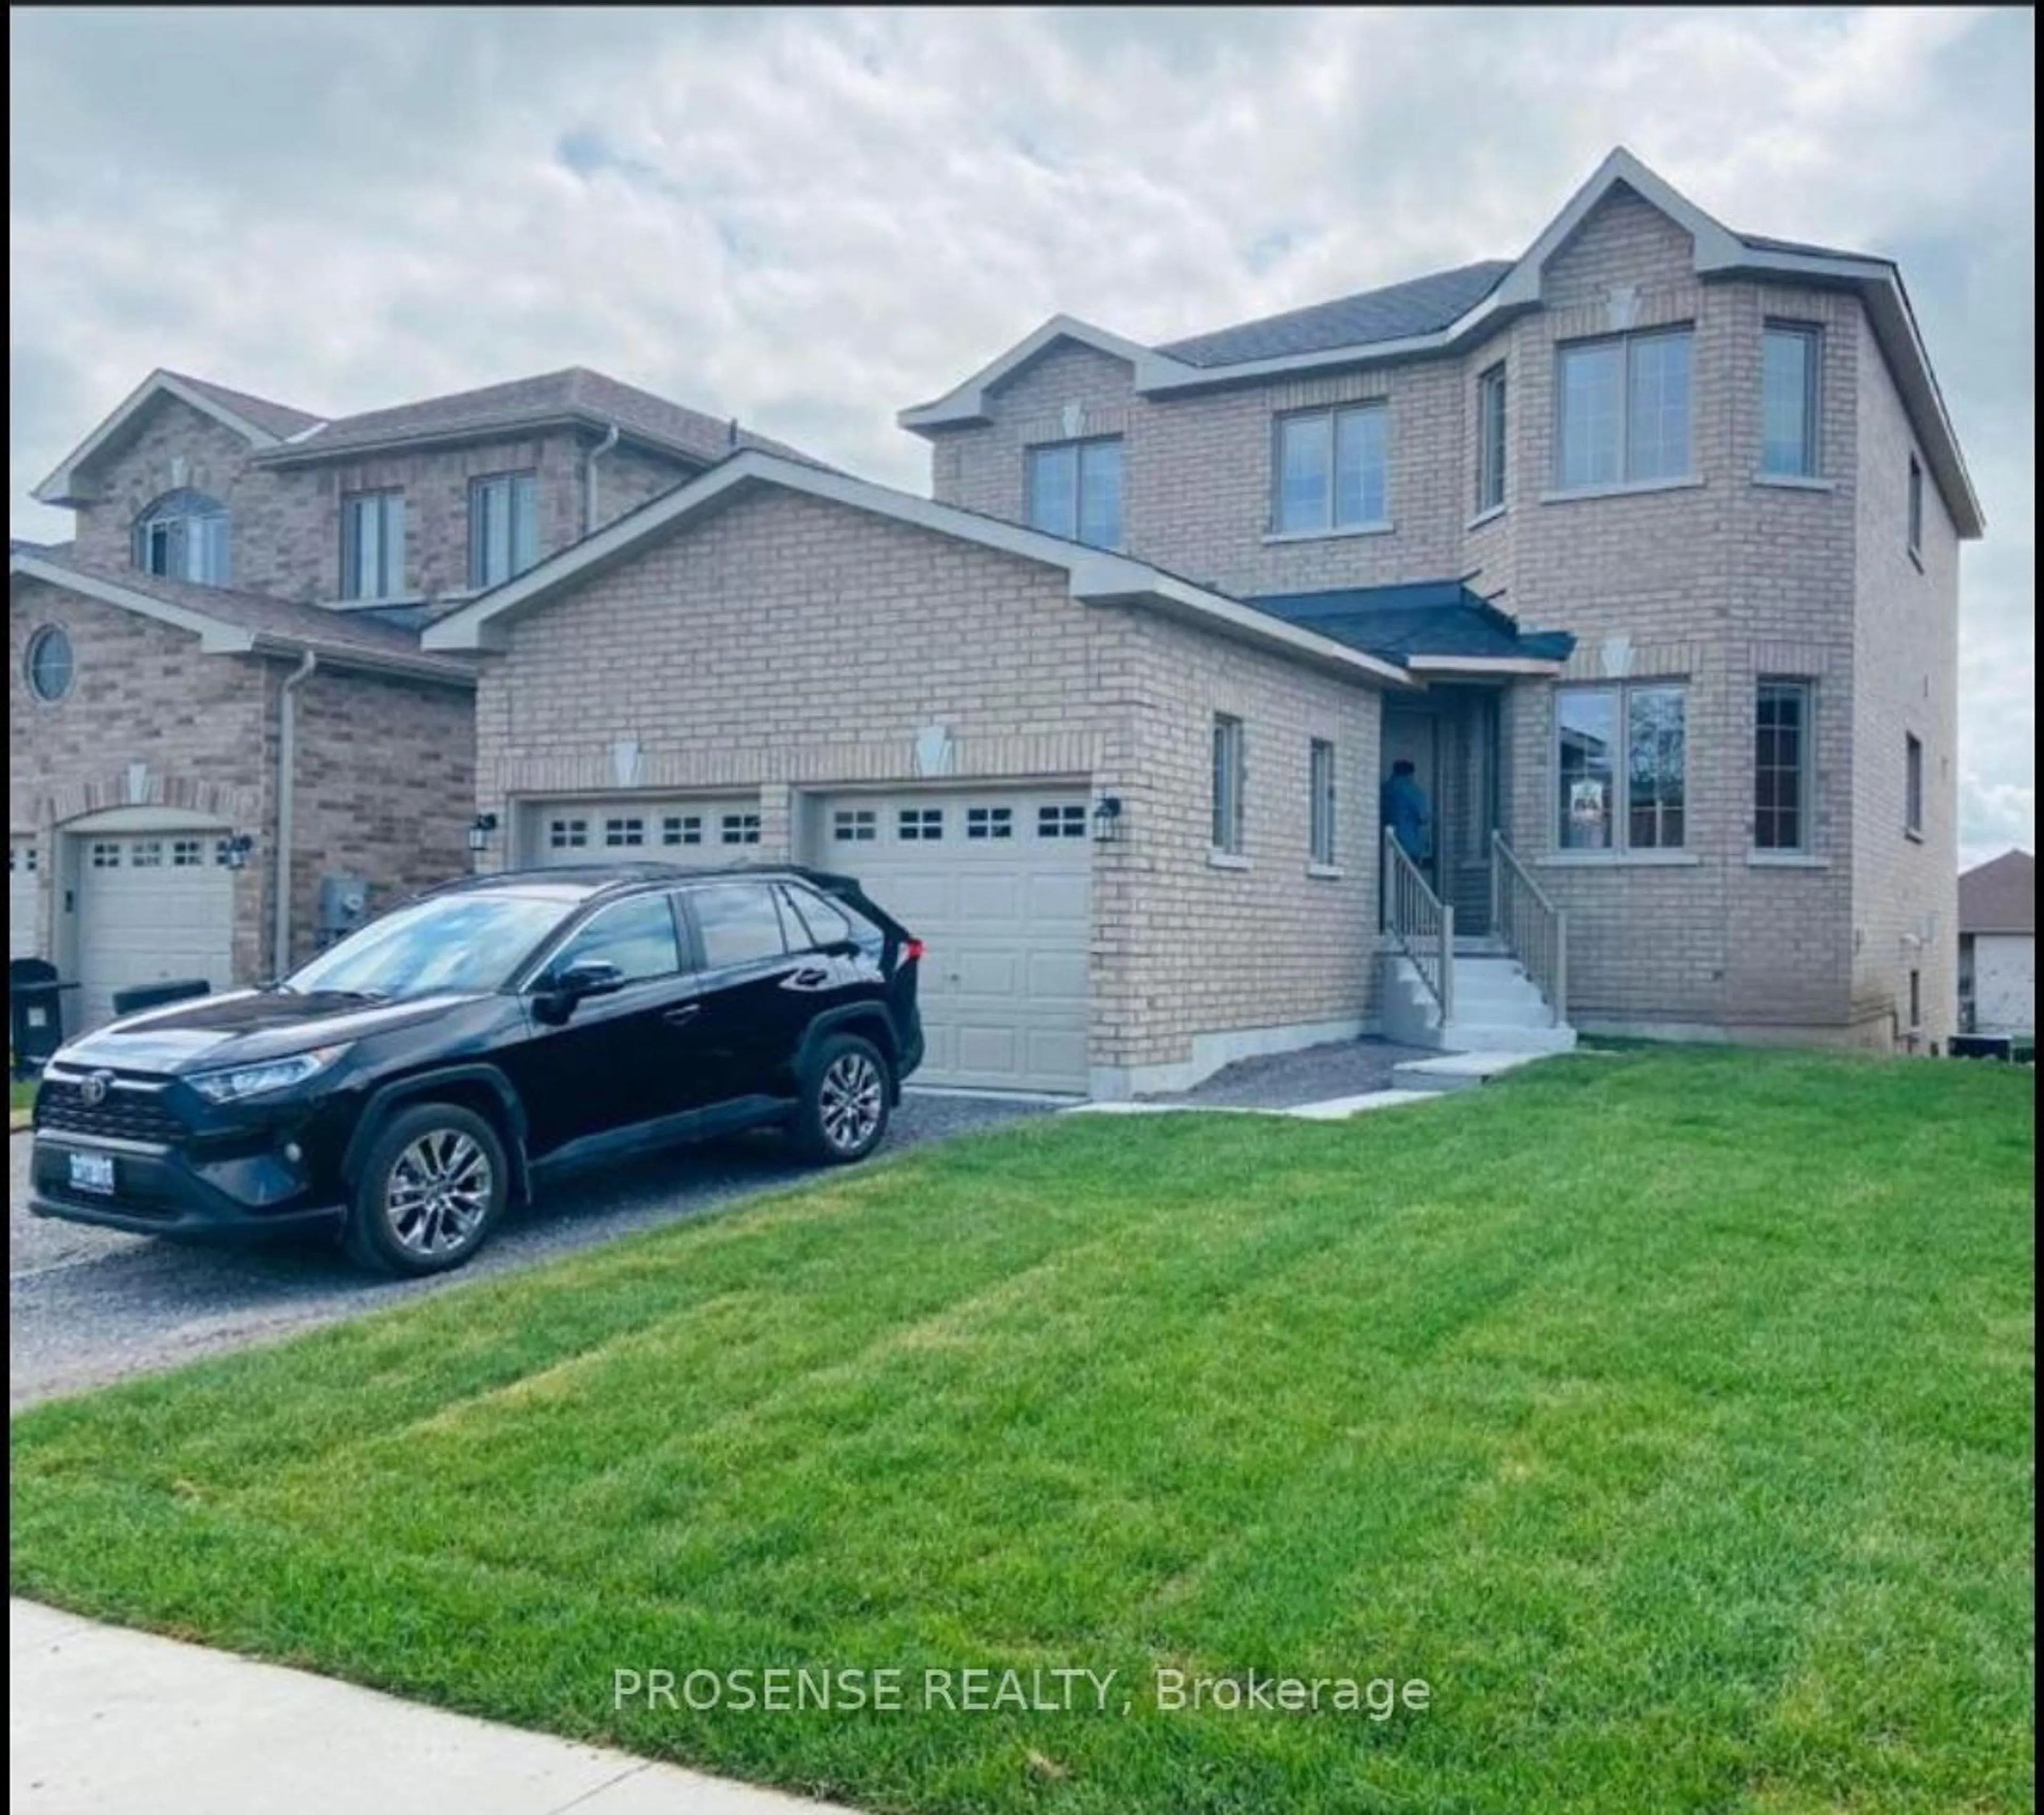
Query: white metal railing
{"x":1421,"y":922}
{"x":1533,"y":930}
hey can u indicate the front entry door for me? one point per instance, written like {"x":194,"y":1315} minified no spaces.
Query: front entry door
{"x":1415,"y":737}
{"x":1452,"y":747}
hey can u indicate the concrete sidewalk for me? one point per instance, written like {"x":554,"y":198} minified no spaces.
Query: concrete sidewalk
{"x":106,"y":1721}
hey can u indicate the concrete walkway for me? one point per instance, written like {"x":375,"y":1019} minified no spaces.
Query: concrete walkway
{"x":106,"y":1721}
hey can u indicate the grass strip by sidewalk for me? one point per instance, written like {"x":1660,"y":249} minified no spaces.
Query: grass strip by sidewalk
{"x":1669,"y":1414}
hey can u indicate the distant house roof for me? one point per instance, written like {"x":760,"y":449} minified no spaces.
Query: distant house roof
{"x":575,"y":394}
{"x":2000,"y":896}
{"x":1437,"y":625}
{"x":231,"y":623}
{"x":1418,"y":305}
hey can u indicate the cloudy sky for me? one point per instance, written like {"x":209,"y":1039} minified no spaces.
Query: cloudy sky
{"x":809,"y":220}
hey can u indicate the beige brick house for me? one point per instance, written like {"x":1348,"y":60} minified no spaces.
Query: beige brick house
{"x":226,"y":743}
{"x":1641,"y":547}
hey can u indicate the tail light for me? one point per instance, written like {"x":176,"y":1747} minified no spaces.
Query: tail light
{"x":911,"y":950}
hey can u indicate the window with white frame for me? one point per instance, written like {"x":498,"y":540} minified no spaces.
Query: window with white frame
{"x":739,"y":829}
{"x":1333,"y":470}
{"x":567,"y":834}
{"x":105,"y":854}
{"x":1790,"y":362}
{"x":1321,"y":768}
{"x":183,"y":535}
{"x":372,"y":545}
{"x":1068,"y":822}
{"x":1621,"y":765}
{"x":1916,"y":506}
{"x":503,"y":527}
{"x":920,"y":825}
{"x":1490,"y":439}
{"x":187,"y":853}
{"x":1230,"y":778}
{"x":855,"y":825}
{"x":989,"y":822}
{"x":1074,"y":491}
{"x":620,"y":833}
{"x":681,"y":829}
{"x":1622,"y":410}
{"x":1912,"y":785}
{"x":1781,"y":757}
{"x":146,"y":853}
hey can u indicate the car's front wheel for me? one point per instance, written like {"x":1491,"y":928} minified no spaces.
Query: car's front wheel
{"x":432,"y":1185}
{"x":845,"y":1102}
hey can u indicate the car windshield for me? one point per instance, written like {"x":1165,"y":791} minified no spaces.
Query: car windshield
{"x":464,"y":944}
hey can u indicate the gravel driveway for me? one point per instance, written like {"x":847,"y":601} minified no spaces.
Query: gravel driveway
{"x":87,"y":1305}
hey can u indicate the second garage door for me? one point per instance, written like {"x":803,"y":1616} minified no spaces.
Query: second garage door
{"x":152,"y":906}
{"x":996,"y":884}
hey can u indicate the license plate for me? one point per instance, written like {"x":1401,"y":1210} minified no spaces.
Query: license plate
{"x":92,"y":1172}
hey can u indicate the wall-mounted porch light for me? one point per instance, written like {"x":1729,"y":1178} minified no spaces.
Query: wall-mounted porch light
{"x":234,"y":852}
{"x":479,"y":829}
{"x":1107,"y":819}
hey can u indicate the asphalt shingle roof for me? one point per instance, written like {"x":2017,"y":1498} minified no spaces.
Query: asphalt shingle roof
{"x":1420,"y":306}
{"x":279,"y":419}
{"x":2000,"y":896}
{"x":1434,"y":617}
{"x":341,"y":634}
{"x":576,"y":392}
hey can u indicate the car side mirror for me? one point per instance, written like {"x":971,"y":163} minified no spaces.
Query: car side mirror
{"x":592,"y":976}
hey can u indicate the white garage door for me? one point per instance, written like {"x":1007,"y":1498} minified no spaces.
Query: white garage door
{"x":24,"y":873}
{"x":661,"y":831}
{"x":996,"y":885}
{"x":152,"y":906}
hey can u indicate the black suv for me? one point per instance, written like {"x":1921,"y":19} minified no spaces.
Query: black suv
{"x":413,"y":1081}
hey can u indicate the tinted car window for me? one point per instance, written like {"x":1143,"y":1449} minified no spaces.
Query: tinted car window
{"x":824,"y":925}
{"x":455,"y":942}
{"x":637,"y":936}
{"x":738,"y":923}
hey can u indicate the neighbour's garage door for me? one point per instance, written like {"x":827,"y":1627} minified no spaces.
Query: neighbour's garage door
{"x":996,"y":885}
{"x":662,"y":831}
{"x":24,"y":868}
{"x":152,"y":906}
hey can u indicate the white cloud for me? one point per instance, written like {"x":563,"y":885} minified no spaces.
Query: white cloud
{"x":810,"y":219}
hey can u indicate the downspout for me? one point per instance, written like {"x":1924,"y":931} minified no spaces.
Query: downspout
{"x":287,"y":755}
{"x":588,"y":519}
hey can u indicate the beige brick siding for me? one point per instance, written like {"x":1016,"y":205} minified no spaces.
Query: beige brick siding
{"x":1719,"y":582}
{"x":385,"y":767}
{"x":285,"y":522}
{"x":791,"y":644}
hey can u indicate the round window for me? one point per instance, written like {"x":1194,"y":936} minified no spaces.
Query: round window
{"x":50,"y":664}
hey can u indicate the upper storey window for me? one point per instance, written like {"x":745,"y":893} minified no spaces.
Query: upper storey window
{"x":1332,"y":471}
{"x":503,"y":527}
{"x":1074,"y":491}
{"x":1623,"y":414}
{"x":1788,"y":367}
{"x":1490,"y":430}
{"x":183,"y":536}
{"x":372,"y":545}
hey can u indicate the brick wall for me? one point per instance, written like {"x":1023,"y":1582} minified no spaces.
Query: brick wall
{"x":788,"y":643}
{"x":285,"y":522}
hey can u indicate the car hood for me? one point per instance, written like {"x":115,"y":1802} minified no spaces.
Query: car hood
{"x":244,"y":1027}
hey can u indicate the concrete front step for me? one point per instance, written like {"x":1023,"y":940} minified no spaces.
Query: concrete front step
{"x":1458,"y":1071}
{"x":1462,"y":1035}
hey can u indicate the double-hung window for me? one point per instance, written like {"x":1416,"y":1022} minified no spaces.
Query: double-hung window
{"x":1781,"y":754}
{"x":1622,"y":414}
{"x":1230,"y":774}
{"x":503,"y":527}
{"x":1790,"y":365}
{"x":1321,"y":780}
{"x":1621,"y":763}
{"x":1490,"y":443}
{"x":372,"y":545}
{"x":1074,"y":491}
{"x":1333,"y":470}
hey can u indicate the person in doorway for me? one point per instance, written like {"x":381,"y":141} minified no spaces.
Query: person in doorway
{"x":1404,"y":806}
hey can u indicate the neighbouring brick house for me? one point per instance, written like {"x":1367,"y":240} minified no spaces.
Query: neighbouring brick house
{"x":226,"y":743}
{"x":1642,"y":547}
{"x":1998,"y":946}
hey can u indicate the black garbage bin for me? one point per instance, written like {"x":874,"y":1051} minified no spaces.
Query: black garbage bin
{"x":155,"y":995}
{"x":35,"y":1013}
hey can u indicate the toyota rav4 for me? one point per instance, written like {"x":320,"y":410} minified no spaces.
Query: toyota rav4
{"x":414,"y":1081}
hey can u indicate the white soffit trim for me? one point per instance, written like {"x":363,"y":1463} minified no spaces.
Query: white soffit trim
{"x":1483,"y":664}
{"x":215,"y":638}
{"x":966,"y":402}
{"x":1095,"y":576}
{"x":61,"y":486}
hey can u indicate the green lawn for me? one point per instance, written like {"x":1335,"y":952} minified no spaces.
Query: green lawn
{"x":1668,"y":1414}
{"x":21,"y":1093}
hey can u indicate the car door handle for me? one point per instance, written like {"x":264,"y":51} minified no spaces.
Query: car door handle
{"x":810,"y":976}
{"x":677,"y":1017}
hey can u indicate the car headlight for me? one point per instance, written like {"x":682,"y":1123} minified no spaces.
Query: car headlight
{"x":234,"y":1082}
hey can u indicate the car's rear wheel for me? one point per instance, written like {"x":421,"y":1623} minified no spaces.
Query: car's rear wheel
{"x":432,"y":1186}
{"x":846,"y":1101}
